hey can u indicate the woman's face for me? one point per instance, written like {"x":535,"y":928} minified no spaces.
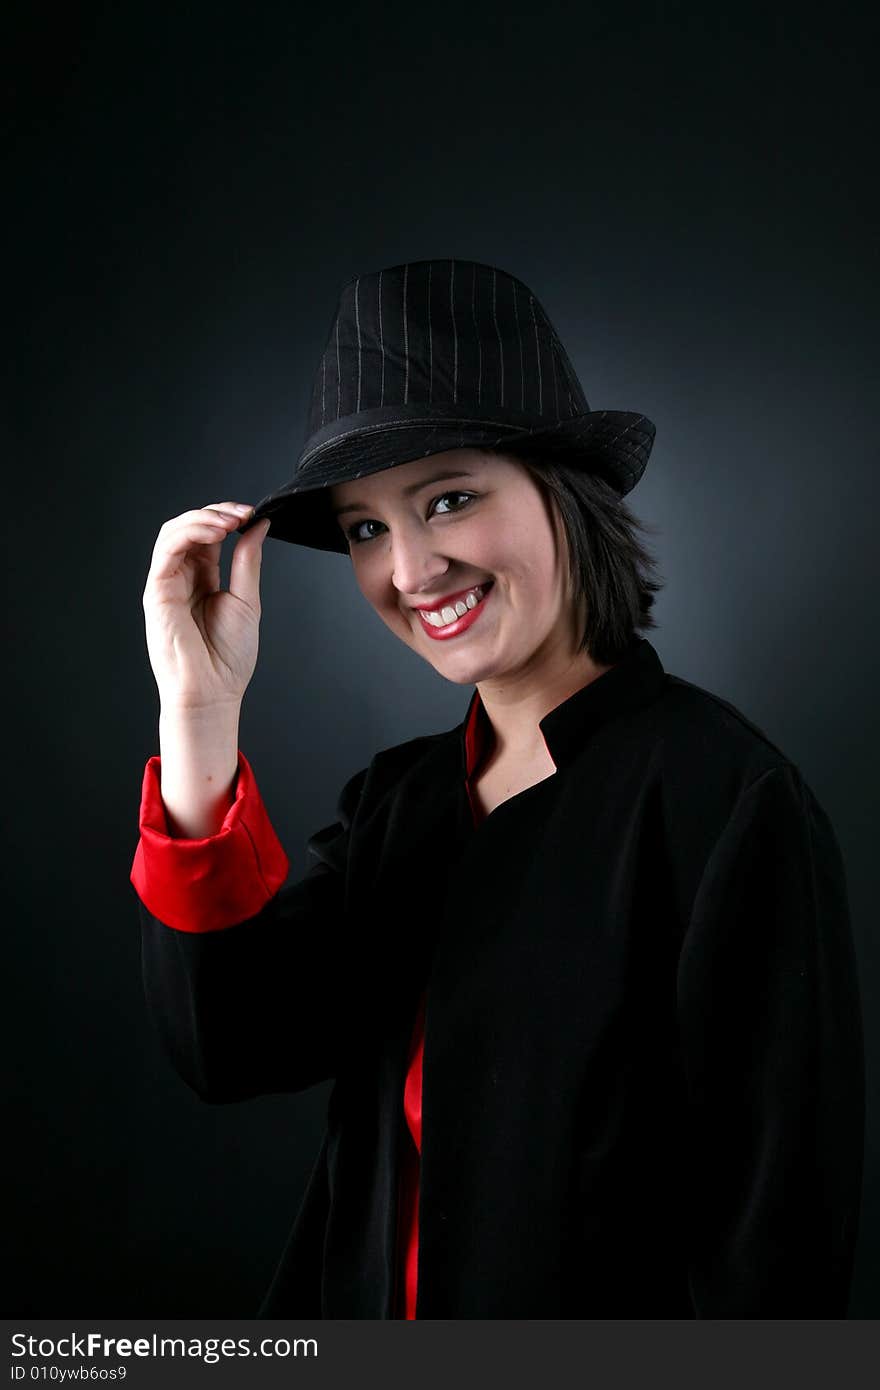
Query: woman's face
{"x":464,"y":560}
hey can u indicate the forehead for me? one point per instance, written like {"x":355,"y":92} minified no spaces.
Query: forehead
{"x":403,"y":478}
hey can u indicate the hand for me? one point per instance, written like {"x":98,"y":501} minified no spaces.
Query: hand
{"x":203,"y":640}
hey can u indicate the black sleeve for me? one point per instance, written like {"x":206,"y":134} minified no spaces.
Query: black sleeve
{"x":268,"y":1004}
{"x":771,"y":1034}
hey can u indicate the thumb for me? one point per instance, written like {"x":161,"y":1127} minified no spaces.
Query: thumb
{"x":244,"y":569}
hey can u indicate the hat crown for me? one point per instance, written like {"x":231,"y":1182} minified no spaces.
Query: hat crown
{"x":456,"y":336}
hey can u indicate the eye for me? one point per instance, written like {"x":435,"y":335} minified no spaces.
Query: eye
{"x":355,"y":533}
{"x":467,"y":496}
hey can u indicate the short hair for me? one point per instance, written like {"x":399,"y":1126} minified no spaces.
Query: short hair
{"x":608,"y":563}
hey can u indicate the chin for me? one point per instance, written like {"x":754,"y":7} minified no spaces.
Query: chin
{"x":456,"y":679}
{"x":464,"y":671}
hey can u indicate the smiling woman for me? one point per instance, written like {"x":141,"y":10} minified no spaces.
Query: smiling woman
{"x":610,"y":904}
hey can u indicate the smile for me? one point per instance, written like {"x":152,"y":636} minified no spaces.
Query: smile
{"x":454,"y":618}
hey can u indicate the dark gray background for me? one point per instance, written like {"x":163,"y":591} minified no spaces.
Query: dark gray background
{"x":689,"y":193}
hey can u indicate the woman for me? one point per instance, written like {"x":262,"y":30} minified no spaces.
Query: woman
{"x":581,"y":967}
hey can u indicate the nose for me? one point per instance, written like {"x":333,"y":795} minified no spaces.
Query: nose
{"x":415,"y":561}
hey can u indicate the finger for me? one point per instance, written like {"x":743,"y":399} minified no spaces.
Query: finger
{"x":206,"y":524}
{"x":200,"y":541}
{"x":199,"y":532}
{"x":244,"y":569}
{"x":240,"y":510}
{"x":181,"y":537}
{"x":226,"y":511}
{"x":212,"y":515}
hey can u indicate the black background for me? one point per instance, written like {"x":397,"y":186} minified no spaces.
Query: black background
{"x":689,"y":191}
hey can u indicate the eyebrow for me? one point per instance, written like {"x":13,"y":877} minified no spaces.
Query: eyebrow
{"x":407,"y":491}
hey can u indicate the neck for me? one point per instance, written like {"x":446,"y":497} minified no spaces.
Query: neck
{"x":516,"y":704}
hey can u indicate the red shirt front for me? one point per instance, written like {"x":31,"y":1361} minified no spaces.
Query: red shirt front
{"x":408,"y":1189}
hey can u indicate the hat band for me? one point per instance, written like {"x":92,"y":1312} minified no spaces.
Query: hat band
{"x":386,"y":418}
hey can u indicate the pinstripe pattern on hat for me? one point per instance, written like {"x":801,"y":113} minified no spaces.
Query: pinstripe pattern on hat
{"x":434,"y":355}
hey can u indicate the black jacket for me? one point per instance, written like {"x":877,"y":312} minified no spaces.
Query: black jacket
{"x":643,"y":1083}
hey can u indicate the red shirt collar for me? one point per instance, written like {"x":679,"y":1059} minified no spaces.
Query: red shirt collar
{"x":476,"y":728}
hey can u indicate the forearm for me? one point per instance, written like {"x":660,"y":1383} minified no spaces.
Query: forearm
{"x":199,"y":753}
{"x":255,"y":984}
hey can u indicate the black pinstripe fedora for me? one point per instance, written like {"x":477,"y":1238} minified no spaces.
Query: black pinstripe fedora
{"x":437,"y":355}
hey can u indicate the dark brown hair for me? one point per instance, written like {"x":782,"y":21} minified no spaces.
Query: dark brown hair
{"x":608,"y":563}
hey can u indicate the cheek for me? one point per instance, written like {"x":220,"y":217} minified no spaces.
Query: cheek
{"x":531,"y":560}
{"x":369,"y":581}
{"x":501,"y":544}
{"x":380,"y":594}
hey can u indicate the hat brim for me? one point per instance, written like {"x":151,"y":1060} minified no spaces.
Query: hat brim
{"x":612,"y":443}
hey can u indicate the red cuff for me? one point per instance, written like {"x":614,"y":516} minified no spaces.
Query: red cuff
{"x":219,"y":881}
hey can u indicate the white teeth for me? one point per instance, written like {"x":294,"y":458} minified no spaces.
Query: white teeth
{"x":451,"y":614}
